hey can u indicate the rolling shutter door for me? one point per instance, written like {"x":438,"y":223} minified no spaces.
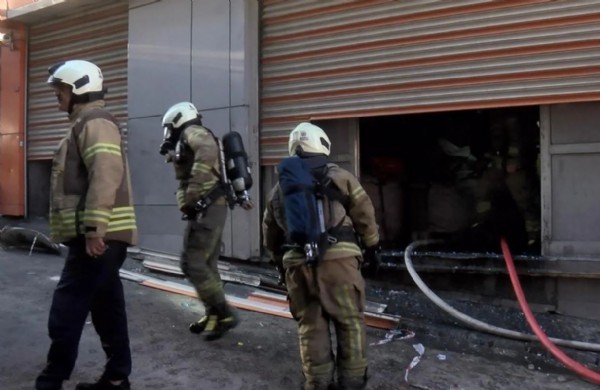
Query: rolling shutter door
{"x":344,"y":59}
{"x":99,"y":35}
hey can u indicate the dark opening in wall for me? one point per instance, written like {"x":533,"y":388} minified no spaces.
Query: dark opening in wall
{"x":38,"y":188}
{"x":465,"y":176}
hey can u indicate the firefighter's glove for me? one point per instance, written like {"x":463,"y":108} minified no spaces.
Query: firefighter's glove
{"x":281,"y":278}
{"x":278,"y":263}
{"x":189,"y":213}
{"x":247,"y":205}
{"x":372,"y":260}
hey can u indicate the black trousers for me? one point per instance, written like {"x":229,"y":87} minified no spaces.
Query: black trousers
{"x":88,"y":285}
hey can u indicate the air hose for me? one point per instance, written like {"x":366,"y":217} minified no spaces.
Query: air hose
{"x":472,"y":322}
{"x":558,"y":354}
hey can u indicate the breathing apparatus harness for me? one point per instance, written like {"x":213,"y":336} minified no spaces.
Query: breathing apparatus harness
{"x":235,"y":178}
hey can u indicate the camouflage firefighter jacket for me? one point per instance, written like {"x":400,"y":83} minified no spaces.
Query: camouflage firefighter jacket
{"x":197,"y":165}
{"x":358,"y":214}
{"x":90,"y":183}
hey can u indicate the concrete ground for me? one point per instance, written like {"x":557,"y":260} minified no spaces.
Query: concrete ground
{"x":262,"y":353}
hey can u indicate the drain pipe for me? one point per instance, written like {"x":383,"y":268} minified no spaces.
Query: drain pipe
{"x":472,"y":322}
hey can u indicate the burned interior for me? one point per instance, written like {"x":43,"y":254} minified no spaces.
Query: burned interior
{"x":468,"y":177}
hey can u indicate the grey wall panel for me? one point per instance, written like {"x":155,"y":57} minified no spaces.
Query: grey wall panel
{"x":210,"y":54}
{"x":153,"y":180}
{"x":576,"y":190}
{"x":196,"y":50}
{"x":159,"y":56}
{"x":575,"y":123}
{"x":570,"y":156}
{"x":238,"y":93}
{"x":218,"y":121}
{"x":240,"y":68}
{"x":161,"y":228}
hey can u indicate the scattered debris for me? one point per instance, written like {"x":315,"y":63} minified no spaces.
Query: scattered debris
{"x":259,"y":301}
{"x":132,"y":276}
{"x":420,"y":350}
{"x":395,"y":334}
{"x":375,"y":307}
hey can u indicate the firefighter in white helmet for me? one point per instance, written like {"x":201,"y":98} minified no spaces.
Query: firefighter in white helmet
{"x":194,"y":152}
{"x":91,"y":212}
{"x":333,"y":290}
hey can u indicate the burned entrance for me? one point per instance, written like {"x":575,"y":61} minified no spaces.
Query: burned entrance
{"x":464,"y":176}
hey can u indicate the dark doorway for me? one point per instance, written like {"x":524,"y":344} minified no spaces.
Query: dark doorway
{"x":466,"y":176}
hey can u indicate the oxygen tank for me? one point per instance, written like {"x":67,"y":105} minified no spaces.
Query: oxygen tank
{"x":236,"y":163}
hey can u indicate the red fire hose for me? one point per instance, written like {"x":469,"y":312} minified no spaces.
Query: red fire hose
{"x":560,"y":355}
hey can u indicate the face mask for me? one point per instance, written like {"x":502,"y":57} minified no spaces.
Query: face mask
{"x":169,"y":141}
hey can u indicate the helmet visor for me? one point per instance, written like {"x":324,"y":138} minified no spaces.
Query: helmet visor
{"x":167,"y":131}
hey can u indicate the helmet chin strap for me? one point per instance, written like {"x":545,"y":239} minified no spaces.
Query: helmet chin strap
{"x":77,"y":99}
{"x":85,"y":98}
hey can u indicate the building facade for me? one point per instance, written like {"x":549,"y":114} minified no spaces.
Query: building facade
{"x":384,"y":78}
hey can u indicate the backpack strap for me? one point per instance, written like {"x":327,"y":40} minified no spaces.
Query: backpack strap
{"x":326,"y":187}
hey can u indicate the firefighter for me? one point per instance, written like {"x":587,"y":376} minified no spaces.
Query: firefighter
{"x":91,"y":212}
{"x":521,"y":175}
{"x":334,"y":290}
{"x":194,"y":152}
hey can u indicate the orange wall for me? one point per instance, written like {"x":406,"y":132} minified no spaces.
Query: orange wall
{"x":12,"y":121}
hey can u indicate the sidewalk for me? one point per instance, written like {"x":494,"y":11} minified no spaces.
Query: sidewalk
{"x":262,"y":353}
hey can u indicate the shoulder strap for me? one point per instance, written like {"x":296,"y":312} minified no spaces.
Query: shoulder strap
{"x":331,"y":190}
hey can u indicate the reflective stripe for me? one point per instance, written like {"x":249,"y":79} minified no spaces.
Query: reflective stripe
{"x":358,"y":193}
{"x":348,"y":249}
{"x":352,"y":322}
{"x":122,"y":218}
{"x":63,"y":223}
{"x":101,"y":148}
{"x":94,"y":215}
{"x":201,"y":167}
{"x":371,"y":239}
{"x":201,"y":188}
{"x":118,"y":228}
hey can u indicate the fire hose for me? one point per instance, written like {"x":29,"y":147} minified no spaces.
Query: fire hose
{"x":488,"y":328}
{"x":550,"y":346}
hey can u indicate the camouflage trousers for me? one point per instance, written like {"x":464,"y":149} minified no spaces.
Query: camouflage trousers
{"x":333,"y":293}
{"x":201,"y":250}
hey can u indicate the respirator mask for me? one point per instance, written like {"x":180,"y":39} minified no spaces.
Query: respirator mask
{"x":170,"y":138}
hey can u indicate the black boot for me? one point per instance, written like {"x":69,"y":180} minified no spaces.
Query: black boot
{"x":353,"y":383}
{"x":199,"y":326}
{"x":104,"y":384}
{"x":219,"y":323}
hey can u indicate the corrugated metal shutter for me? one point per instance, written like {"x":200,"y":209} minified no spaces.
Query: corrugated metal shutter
{"x":98,"y":34}
{"x":339,"y":58}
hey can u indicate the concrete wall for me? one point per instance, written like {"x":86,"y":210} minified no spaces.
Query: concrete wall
{"x":203,"y":51}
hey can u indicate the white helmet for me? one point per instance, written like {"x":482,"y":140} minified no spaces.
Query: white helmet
{"x":83,"y":76}
{"x":311,"y":138}
{"x":179,"y":114}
